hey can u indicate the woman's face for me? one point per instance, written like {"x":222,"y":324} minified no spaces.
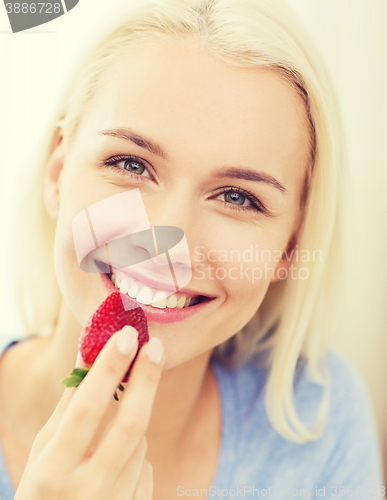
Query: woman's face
{"x":229,"y":153}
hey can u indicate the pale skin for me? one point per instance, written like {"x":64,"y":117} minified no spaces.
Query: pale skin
{"x":208,"y":116}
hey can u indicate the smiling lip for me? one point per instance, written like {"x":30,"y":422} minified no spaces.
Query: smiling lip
{"x":152,"y":283}
{"x":155,"y":315}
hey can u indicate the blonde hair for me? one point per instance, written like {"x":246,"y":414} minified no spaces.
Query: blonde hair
{"x":297,"y":317}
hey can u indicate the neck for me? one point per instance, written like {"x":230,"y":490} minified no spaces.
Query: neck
{"x":38,"y":365}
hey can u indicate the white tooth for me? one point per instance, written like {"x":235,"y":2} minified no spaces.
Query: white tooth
{"x":118,"y":282}
{"x":160,"y":300}
{"x":187,"y":301}
{"x":181,"y":302}
{"x":133,"y":290}
{"x":124,"y":287}
{"x":113,"y":279}
{"x":172,"y":301}
{"x":145,"y":295}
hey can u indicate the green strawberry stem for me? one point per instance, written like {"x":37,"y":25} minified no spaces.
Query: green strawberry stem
{"x":76,"y":377}
{"x":78,"y":374}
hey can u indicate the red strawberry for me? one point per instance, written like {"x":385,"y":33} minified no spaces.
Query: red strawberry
{"x":110,"y":317}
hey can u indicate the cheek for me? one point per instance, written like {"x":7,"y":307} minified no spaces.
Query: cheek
{"x":66,"y":264}
{"x":241,"y":271}
{"x":242,"y":266}
{"x":79,"y":288}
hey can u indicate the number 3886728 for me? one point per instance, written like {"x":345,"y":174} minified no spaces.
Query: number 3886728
{"x":32,"y":8}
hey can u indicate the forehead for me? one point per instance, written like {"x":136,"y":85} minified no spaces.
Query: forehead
{"x":179,"y":94}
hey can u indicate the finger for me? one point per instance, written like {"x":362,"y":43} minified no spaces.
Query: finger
{"x":92,"y":398}
{"x":128,"y":478}
{"x":135,"y":409}
{"x":144,"y":490}
{"x":48,"y":431}
{"x":121,"y":485}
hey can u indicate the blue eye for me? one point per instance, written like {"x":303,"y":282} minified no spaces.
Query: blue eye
{"x":134,"y":166}
{"x":131,"y":165}
{"x":234,"y":197}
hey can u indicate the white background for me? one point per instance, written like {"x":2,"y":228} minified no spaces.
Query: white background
{"x":352,"y":35}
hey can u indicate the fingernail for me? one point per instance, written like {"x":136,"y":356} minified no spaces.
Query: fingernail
{"x":126,"y":340}
{"x":155,"y":350}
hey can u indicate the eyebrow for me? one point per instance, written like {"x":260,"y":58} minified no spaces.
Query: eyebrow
{"x":250,"y":175}
{"x":130,"y":135}
{"x":234,"y":172}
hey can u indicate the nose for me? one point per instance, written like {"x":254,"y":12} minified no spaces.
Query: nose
{"x":154,"y":242}
{"x":143,"y":242}
{"x":174,"y":208}
{"x":167,"y":242}
{"x":163,"y":249}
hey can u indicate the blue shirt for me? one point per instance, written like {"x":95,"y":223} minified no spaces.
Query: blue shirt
{"x":256,"y":461}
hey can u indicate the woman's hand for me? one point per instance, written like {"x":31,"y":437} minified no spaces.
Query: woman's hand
{"x":62,"y":465}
